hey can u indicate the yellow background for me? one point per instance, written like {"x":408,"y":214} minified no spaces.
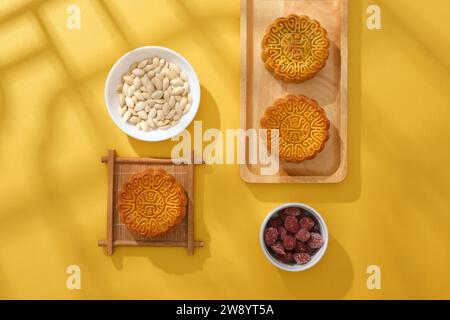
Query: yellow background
{"x":392,"y":210}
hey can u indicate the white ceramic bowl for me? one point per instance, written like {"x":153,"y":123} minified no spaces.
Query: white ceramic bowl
{"x":122,"y":66}
{"x":315,"y":258}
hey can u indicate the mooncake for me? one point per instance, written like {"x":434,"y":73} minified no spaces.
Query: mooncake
{"x":295,"y":48}
{"x":151,"y":203}
{"x":302,"y":127}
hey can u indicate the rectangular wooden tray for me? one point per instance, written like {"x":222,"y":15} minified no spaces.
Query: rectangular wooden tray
{"x":120,"y":169}
{"x":329,"y":87}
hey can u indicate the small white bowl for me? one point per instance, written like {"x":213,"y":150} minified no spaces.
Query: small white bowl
{"x":122,"y":66}
{"x":315,"y":258}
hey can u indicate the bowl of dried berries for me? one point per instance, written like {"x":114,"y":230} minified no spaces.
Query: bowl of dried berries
{"x":294,"y":237}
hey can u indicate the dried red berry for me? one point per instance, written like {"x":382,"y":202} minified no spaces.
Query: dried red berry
{"x":291,"y":224}
{"x":282,"y":232}
{"x":315,"y":241}
{"x":278,"y":248}
{"x":302,"y":257}
{"x":292,"y":211}
{"x":302,"y":247}
{"x":303,"y":235}
{"x":275,"y":222}
{"x":307,"y":223}
{"x":289,"y":242}
{"x":270,"y":236}
{"x":286,"y":258}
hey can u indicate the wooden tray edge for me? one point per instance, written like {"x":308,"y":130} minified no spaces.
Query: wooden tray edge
{"x":250,"y":177}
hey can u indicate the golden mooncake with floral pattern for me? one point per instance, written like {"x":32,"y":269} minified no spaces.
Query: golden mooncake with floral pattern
{"x":151,"y":203}
{"x":295,"y":48}
{"x":302,"y":127}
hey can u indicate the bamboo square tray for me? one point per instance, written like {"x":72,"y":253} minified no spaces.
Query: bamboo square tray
{"x":259,"y":88}
{"x":120,"y":169}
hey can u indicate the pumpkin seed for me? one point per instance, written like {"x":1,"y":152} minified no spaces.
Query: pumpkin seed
{"x":138,"y":72}
{"x":177,"y":91}
{"x":142,"y":114}
{"x":139,"y":106}
{"x":135,"y":119}
{"x":157,"y":94}
{"x":142,"y":64}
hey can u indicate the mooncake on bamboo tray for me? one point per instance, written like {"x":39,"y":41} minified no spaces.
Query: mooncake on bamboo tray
{"x":151,"y":203}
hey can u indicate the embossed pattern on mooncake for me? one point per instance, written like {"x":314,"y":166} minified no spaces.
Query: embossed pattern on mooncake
{"x":151,"y":203}
{"x":302,"y":127}
{"x":295,"y":48}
